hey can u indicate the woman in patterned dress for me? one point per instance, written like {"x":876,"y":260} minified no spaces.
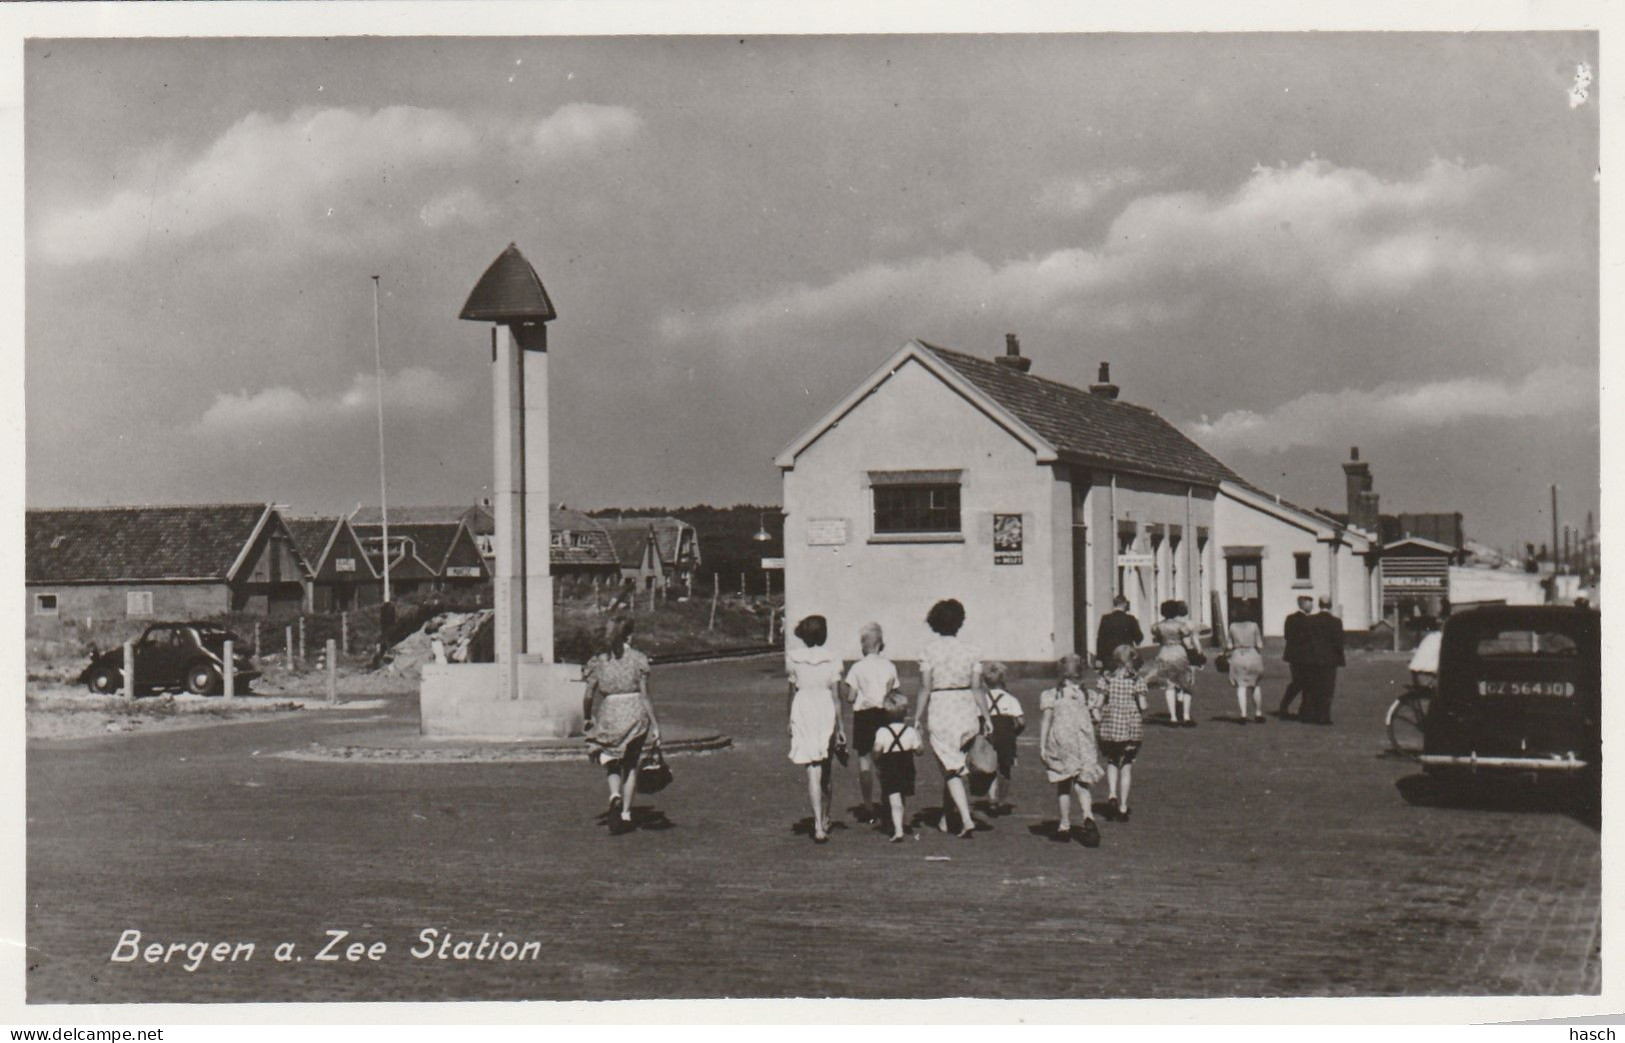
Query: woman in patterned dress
{"x":952,"y":705}
{"x":1068,"y":747}
{"x":815,"y":714}
{"x":624,"y":720}
{"x":1247,"y":666}
{"x":1175,"y":638}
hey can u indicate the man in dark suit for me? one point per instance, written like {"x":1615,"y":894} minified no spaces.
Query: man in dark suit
{"x":1296,"y":656}
{"x":1326,"y":653}
{"x":1116,"y":628}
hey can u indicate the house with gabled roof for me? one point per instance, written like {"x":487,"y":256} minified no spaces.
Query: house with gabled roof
{"x":674,"y":557}
{"x":1034,"y":503}
{"x":425,"y":555}
{"x":342,"y":573}
{"x":89,"y":565}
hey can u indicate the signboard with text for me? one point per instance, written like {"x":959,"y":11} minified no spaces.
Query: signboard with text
{"x":1007,"y":539}
{"x":826,"y":532}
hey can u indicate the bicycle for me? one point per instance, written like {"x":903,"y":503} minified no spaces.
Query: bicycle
{"x":1407,"y":717}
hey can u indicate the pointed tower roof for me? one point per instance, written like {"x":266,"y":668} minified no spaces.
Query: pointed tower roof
{"x":509,"y":291}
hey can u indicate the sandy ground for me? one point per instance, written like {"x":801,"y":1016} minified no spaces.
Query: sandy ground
{"x":56,"y":712}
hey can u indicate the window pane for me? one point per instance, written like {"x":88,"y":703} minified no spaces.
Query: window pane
{"x":916,"y":508}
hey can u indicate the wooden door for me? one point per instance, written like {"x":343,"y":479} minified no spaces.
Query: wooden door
{"x":1244,"y":589}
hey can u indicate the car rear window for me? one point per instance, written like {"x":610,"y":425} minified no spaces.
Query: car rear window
{"x":1528,"y":644}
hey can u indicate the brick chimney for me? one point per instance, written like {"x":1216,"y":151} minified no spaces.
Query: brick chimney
{"x":1012,"y":356}
{"x":1104,"y":386}
{"x":1362,"y":502}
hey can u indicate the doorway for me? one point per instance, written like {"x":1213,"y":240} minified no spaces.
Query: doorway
{"x":1244,"y":589}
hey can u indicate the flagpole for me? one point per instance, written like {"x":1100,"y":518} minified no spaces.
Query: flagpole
{"x":383,"y":493}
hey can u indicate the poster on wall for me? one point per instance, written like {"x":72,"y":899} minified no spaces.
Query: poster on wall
{"x":1007,"y":539}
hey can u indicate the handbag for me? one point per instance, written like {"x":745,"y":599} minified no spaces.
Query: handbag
{"x":980,"y":757}
{"x":1195,"y":656}
{"x":1221,"y":662}
{"x":654,"y":774}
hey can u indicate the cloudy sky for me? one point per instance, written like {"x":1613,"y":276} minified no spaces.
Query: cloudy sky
{"x":1287,"y":244}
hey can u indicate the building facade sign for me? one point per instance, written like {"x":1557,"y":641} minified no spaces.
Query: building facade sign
{"x":463,"y":571}
{"x":1007,"y":539}
{"x":1135,"y":561}
{"x":826,"y":532}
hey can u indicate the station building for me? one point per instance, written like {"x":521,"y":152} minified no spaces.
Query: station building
{"x":1034,"y":502}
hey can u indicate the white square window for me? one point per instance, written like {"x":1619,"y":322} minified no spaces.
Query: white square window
{"x":138,"y":603}
{"x":45,"y":605}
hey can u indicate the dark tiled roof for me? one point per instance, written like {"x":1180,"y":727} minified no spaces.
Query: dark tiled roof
{"x":629,"y":542}
{"x":589,"y":543}
{"x":668,"y":532}
{"x":509,"y":290}
{"x":104,"y":544}
{"x":1090,"y":428}
{"x":310,"y":536}
{"x":431,"y":541}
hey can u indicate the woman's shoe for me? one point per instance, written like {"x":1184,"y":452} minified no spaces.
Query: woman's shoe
{"x":1062,"y":835}
{"x":1189,"y":723}
{"x":1091,"y":833}
{"x":620,"y":826}
{"x":615,"y":804}
{"x":1260,"y":719}
{"x":1122,"y":816}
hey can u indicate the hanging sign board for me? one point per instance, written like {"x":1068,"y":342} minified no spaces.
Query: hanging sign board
{"x":463,"y":571}
{"x":826,"y":532}
{"x":1135,"y":561}
{"x":1007,"y":539}
{"x":773,"y":564}
{"x":343,"y":564}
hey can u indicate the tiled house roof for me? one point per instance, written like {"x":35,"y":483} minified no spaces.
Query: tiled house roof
{"x":587,"y":542}
{"x":109,"y":544}
{"x":311,"y":536}
{"x":1089,"y":428}
{"x":668,"y":534}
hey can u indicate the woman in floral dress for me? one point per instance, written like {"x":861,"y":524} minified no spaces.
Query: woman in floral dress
{"x":952,"y":706}
{"x":624,"y":718}
{"x":1175,"y":638}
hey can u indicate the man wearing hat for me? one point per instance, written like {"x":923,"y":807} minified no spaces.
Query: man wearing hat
{"x":1117,"y":627}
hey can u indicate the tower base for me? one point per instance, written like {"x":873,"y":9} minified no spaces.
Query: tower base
{"x":466,"y":701}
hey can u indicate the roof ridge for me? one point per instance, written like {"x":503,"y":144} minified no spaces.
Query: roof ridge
{"x":1044,"y":380}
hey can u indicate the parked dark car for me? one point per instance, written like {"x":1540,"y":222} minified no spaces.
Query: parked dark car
{"x":172,"y":656}
{"x":1519,"y":692}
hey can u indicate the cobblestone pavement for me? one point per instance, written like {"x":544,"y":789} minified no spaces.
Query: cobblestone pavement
{"x":1281,"y":860}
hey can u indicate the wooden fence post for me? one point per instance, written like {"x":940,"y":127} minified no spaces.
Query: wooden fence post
{"x":741,"y":583}
{"x":715,"y":587}
{"x":256,"y":639}
{"x":332,"y":672}
{"x":344,"y":631}
{"x":129,"y":669}
{"x":301,"y":638}
{"x":288,"y":634}
{"x":228,"y":670}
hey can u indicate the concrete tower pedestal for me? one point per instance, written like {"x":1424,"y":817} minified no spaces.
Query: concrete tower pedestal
{"x":524,"y":694}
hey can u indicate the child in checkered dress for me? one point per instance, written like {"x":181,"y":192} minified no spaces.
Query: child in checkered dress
{"x":1122,"y":714}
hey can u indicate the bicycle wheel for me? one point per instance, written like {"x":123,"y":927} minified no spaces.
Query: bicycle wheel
{"x":1405,"y":719}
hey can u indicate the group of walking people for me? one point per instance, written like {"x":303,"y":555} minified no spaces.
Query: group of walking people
{"x":1086,"y":732}
{"x":966,"y":717}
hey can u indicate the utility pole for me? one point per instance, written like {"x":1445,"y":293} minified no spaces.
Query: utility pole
{"x":383,"y":490}
{"x":1554,"y":533}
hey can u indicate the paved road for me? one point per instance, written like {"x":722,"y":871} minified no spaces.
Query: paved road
{"x":1281,"y":860}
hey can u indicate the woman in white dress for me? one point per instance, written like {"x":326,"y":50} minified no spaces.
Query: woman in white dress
{"x":815,"y":719}
{"x":952,"y":705}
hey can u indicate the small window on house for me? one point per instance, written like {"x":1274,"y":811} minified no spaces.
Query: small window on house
{"x":905,"y":509}
{"x":138,"y":603}
{"x":44,"y":604}
{"x":580,"y":539}
{"x":1300,"y":562}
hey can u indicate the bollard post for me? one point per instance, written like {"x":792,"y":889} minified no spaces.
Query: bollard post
{"x":228,"y":670}
{"x":129,"y":669}
{"x":301,"y":639}
{"x":288,"y":635}
{"x":714,"y":588}
{"x":741,"y":584}
{"x":344,"y":630}
{"x":256,"y":639}
{"x":332,"y":673}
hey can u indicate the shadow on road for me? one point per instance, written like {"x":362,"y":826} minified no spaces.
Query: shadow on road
{"x":1491,"y":793}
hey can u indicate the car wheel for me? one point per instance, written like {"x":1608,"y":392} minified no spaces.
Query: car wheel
{"x":202,"y":679}
{"x":104,"y":680}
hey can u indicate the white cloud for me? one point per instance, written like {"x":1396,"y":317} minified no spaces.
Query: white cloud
{"x":1312,"y":231}
{"x":1334,"y":418}
{"x":580,"y":128}
{"x":1082,"y":194}
{"x":459,"y":206}
{"x":415,"y":389}
{"x":315,"y":173}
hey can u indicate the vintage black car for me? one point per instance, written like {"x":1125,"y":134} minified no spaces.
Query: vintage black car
{"x":172,"y":656}
{"x":1519,"y":692}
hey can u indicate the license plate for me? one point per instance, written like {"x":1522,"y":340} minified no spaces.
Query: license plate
{"x":1547,"y":689}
